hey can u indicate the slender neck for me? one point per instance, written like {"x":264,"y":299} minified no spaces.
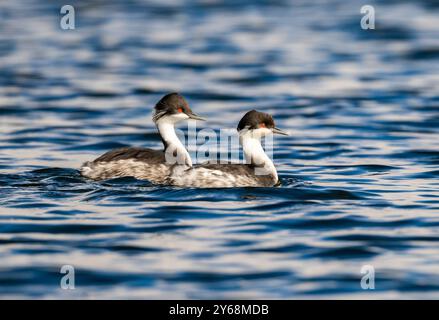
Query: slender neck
{"x":175,"y":152}
{"x":256,"y":156}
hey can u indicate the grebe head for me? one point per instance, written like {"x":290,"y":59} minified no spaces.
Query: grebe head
{"x":258,"y":124}
{"x":173,"y":108}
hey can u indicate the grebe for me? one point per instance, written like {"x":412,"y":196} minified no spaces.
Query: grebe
{"x":259,"y":170}
{"x":142,"y":163}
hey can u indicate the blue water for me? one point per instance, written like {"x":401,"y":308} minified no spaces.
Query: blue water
{"x":359,"y":170}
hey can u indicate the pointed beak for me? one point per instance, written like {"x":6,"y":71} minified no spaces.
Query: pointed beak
{"x":193,"y":116}
{"x":279,"y":131}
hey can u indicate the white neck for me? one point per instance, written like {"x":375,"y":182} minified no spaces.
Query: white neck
{"x":255,"y":154}
{"x":175,"y":151}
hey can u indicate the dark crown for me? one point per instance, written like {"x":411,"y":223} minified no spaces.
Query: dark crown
{"x":253,"y":119}
{"x":170,"y":104}
{"x":172,"y":101}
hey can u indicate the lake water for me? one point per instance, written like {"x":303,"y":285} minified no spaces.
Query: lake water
{"x":359,"y":171}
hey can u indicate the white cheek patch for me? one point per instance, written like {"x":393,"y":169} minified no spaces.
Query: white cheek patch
{"x":174,"y":118}
{"x":179,"y":116}
{"x":260,"y":132}
{"x":265,"y":131}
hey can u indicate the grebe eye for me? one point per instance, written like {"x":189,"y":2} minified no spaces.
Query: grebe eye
{"x":180,"y":110}
{"x":262,"y":125}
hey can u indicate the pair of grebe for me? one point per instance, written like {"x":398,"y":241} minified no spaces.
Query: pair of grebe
{"x":173,"y":166}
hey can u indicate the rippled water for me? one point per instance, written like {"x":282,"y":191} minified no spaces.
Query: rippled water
{"x":359,"y":170}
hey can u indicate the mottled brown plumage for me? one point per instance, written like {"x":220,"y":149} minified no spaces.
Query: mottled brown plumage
{"x":221,"y":176}
{"x":140,"y":163}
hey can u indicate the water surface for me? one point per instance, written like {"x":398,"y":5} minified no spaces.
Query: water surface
{"x":359,"y":170}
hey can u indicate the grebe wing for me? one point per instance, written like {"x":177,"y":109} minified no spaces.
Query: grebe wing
{"x":231,"y":168}
{"x":134,"y":153}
